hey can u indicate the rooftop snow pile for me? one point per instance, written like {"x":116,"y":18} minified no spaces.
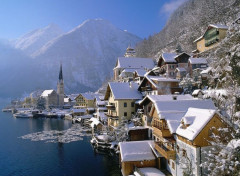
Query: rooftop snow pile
{"x":136,"y":151}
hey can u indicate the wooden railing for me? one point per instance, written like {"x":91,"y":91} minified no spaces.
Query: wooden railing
{"x":162,"y":133}
{"x":164,"y":151}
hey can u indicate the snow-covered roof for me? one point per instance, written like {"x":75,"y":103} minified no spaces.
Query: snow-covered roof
{"x":36,"y":94}
{"x":149,"y":171}
{"x":157,"y":79}
{"x":197,"y":119}
{"x":140,"y":72}
{"x":173,"y":125}
{"x":95,"y":121}
{"x":136,"y":150}
{"x":155,"y":98}
{"x":162,"y":79}
{"x":196,"y":92}
{"x":198,"y":60}
{"x":47,"y":92}
{"x":169,"y":57}
{"x":206,"y":71}
{"x":73,"y":96}
{"x":88,"y":95}
{"x":180,"y":69}
{"x":66,"y":100}
{"x":78,"y":110}
{"x":122,"y":90}
{"x":182,"y":105}
{"x":199,"y":38}
{"x":219,"y":26}
{"x":134,"y":62}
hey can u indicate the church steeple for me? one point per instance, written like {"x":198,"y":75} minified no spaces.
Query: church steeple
{"x":130,"y":52}
{"x":60,"y":74}
{"x":60,"y":88}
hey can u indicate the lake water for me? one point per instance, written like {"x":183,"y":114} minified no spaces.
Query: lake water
{"x":24,"y":157}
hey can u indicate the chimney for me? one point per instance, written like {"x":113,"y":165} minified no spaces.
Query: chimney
{"x":175,"y":95}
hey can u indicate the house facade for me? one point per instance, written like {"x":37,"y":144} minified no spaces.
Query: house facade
{"x":121,"y":98}
{"x":85,"y":100}
{"x":159,"y":85}
{"x":212,"y":36}
{"x":130,"y":64}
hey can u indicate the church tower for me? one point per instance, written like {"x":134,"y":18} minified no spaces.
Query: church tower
{"x":60,"y":88}
{"x":130,"y":52}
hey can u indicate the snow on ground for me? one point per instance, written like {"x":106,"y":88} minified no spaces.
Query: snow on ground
{"x":75,"y":133}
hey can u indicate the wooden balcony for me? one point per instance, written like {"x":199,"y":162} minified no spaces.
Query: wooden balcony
{"x":164,"y":151}
{"x":161,"y":133}
{"x":110,"y":107}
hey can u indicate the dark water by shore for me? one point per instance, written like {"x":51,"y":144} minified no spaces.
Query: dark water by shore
{"x":23,"y":157}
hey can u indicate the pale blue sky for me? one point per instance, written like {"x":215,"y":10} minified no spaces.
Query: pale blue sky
{"x":141,"y":17}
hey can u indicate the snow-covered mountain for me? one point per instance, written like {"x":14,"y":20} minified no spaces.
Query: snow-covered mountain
{"x":88,"y":54}
{"x":35,"y":39}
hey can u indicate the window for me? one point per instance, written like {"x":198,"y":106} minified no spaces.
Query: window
{"x":132,"y":113}
{"x":125,"y":114}
{"x":125,"y":104}
{"x":132,"y":104}
{"x":184,"y":153}
{"x":173,"y":165}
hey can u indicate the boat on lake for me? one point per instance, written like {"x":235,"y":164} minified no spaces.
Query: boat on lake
{"x":23,"y":115}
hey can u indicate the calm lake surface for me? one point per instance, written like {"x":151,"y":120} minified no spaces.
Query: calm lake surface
{"x":23,"y":157}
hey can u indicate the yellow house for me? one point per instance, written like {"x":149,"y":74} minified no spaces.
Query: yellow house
{"x":85,"y":100}
{"x":211,"y":37}
{"x":193,"y":137}
{"x":121,"y":97}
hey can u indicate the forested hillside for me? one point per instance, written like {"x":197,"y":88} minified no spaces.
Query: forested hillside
{"x":188,"y":23}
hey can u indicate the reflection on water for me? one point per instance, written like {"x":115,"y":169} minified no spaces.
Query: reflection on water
{"x":24,"y":157}
{"x":75,"y":133}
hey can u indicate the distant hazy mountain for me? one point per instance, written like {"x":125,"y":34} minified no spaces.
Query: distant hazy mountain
{"x":88,"y":54}
{"x":34,"y":40}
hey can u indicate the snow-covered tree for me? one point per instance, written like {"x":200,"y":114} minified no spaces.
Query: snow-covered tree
{"x":223,"y":158}
{"x":121,"y":132}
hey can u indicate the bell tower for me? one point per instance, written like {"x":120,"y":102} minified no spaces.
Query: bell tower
{"x":60,"y":88}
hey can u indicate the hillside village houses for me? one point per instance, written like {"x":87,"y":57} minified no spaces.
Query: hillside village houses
{"x":211,"y":37}
{"x":167,"y":130}
{"x":155,"y":97}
